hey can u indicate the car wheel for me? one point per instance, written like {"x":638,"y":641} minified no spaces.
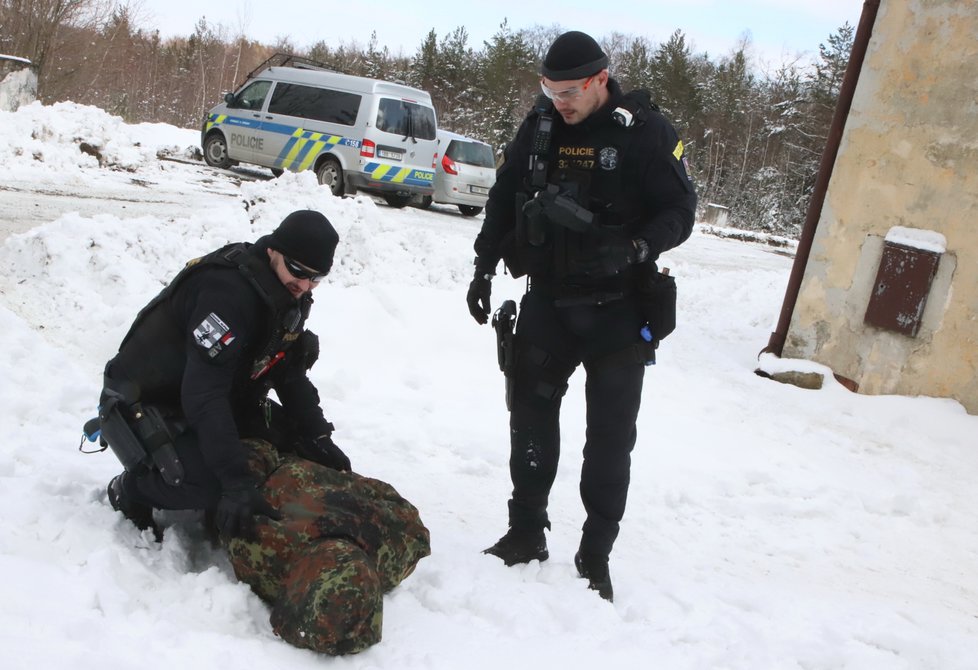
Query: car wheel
{"x":469,"y":210}
{"x":329,"y":173}
{"x":216,"y":151}
{"x":397,"y":200}
{"x":277,"y":172}
{"x":425,"y":202}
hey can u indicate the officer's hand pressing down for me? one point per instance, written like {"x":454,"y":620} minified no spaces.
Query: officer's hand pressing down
{"x":322,"y":450}
{"x":478,"y":296}
{"x":237,"y":508}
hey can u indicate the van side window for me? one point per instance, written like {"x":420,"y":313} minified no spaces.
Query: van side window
{"x":409,"y":119}
{"x":318,"y":104}
{"x":252,"y":96}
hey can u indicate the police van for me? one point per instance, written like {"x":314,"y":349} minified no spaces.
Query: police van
{"x":355,"y":133}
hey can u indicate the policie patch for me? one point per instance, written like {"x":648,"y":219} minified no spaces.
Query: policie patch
{"x":213,"y":335}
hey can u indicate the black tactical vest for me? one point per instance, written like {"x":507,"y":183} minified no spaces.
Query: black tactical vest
{"x":595,"y":164}
{"x":153,"y":353}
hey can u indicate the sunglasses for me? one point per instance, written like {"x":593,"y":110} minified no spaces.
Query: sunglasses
{"x":567,"y":94}
{"x":300,"y":271}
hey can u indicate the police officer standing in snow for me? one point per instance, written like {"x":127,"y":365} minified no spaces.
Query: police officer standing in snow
{"x":585,"y":201}
{"x":192,"y":376}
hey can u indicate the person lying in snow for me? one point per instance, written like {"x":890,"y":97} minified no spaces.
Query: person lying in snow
{"x":341,"y":541}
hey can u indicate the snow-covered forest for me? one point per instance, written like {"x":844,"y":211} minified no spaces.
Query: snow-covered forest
{"x":753,"y":131}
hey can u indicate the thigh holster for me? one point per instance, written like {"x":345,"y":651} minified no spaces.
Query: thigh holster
{"x":139,"y":435}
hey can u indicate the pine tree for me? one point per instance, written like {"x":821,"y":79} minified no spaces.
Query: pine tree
{"x":508,"y":84}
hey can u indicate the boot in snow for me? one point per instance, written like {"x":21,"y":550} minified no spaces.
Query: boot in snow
{"x":520,"y":546}
{"x":594,"y":568}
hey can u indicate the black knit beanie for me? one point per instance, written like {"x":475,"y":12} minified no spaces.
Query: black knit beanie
{"x":308,"y":237}
{"x":573,"y":55}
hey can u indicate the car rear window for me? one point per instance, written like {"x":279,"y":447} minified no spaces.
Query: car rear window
{"x":319,"y":104}
{"x":471,"y":153}
{"x":403,"y":117}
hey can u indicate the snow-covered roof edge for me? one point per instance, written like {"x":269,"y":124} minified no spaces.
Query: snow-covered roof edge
{"x":917,"y":238}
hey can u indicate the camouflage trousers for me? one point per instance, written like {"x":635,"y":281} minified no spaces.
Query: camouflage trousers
{"x":343,"y":541}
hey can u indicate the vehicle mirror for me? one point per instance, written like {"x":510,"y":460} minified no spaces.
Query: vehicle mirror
{"x":229,"y":97}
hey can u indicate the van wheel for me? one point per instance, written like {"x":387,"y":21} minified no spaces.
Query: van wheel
{"x":216,"y":151}
{"x":469,"y":210}
{"x":329,"y":173}
{"x":397,"y":200}
{"x":425,"y":202}
{"x":277,"y":172}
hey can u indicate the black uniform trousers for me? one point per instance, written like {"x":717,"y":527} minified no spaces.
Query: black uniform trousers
{"x":552,"y":339}
{"x":200,"y":488}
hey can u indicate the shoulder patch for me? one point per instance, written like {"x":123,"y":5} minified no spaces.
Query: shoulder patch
{"x":213,"y":335}
{"x":678,"y":151}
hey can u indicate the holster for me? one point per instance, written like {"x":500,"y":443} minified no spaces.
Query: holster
{"x":657,"y":298}
{"x":504,"y":323}
{"x":139,"y":435}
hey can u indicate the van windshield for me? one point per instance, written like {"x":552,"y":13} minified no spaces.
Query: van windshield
{"x":408,"y":119}
{"x":252,"y":97}
{"x":470,"y":153}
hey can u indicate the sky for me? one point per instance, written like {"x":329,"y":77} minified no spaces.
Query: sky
{"x":768,"y":527}
{"x":779,"y":29}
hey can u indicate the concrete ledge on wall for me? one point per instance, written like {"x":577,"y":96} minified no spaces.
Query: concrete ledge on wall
{"x":795,"y":371}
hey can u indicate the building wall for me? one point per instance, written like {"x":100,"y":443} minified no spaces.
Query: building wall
{"x":908,"y":158}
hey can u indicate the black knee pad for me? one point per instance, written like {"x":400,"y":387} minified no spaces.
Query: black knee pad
{"x":540,"y":378}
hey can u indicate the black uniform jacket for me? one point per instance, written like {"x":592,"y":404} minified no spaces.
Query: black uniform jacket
{"x":634,"y":174}
{"x":197,"y":354}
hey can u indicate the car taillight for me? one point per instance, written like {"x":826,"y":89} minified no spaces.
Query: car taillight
{"x":449,"y":165}
{"x":368,"y":149}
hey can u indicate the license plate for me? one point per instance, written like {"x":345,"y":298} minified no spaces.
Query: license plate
{"x":392,"y":155}
{"x":481,"y":190}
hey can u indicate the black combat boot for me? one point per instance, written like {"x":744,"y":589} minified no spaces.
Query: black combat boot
{"x":141,"y":515}
{"x":520,"y":545}
{"x":594,"y":568}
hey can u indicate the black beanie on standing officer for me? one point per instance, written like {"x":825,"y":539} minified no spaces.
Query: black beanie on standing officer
{"x":592,"y":190}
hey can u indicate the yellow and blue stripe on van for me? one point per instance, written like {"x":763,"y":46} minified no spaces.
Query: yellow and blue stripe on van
{"x":222,"y":119}
{"x":399,"y":175}
{"x":303,"y":147}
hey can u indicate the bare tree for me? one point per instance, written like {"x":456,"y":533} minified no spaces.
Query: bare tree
{"x":30,"y":28}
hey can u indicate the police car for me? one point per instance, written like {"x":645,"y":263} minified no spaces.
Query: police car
{"x":355,"y":133}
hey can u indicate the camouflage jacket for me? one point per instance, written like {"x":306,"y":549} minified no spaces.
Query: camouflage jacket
{"x":343,"y":541}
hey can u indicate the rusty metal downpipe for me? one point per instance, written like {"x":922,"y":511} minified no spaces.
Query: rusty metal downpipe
{"x":860,"y":43}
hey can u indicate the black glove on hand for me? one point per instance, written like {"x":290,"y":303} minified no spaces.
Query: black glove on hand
{"x":237,"y":508}
{"x":478,"y":296}
{"x":614,"y":254}
{"x":323,"y":451}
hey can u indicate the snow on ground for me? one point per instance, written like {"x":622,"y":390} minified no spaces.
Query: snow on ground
{"x":768,"y":526}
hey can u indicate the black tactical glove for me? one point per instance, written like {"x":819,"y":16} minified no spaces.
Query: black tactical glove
{"x":563,"y":210}
{"x":478,"y":296}
{"x":614,"y":254}
{"x":237,"y":508}
{"x":322,"y":450}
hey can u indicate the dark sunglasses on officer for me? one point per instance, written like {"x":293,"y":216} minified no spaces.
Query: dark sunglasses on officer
{"x":300,"y":271}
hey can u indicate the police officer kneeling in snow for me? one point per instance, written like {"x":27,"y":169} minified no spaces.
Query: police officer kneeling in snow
{"x":192,"y":377}
{"x":583,"y":204}
{"x":185,"y":407}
